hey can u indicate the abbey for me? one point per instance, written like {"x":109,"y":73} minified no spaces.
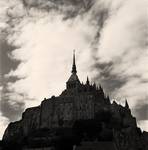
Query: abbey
{"x":77,"y":101}
{"x":81,"y":115}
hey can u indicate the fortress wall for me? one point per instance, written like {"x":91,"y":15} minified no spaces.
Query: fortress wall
{"x":47,"y":109}
{"x":84,"y":107}
{"x":31,"y":119}
{"x":63,"y":111}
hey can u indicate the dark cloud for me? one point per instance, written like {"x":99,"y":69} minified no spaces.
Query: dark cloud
{"x":69,"y":8}
{"x":141,"y":111}
{"x":12,"y":112}
{"x":109,"y":81}
{"x":6,"y":61}
{"x":50,"y":3}
{"x":10,"y":108}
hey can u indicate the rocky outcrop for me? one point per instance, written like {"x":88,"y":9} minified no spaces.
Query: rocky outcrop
{"x":111,"y":122}
{"x":30,"y":121}
{"x":81,"y":113}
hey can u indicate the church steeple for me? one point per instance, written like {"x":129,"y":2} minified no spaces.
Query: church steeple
{"x":87,"y":81}
{"x":74,"y":70}
{"x":73,"y":81}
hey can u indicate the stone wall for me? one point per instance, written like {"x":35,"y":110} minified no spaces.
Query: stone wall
{"x":31,"y":120}
{"x":46,"y":148}
{"x":97,"y":146}
{"x":61,"y":111}
{"x":84,"y":107}
{"x":47,"y":109}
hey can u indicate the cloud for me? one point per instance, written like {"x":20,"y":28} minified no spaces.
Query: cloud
{"x":11,"y":106}
{"x":47,"y":43}
{"x":141,"y":110}
{"x":143,"y":124}
{"x":69,"y":8}
{"x":122,"y":53}
{"x":7,"y":108}
{"x":1,"y":88}
{"x":49,"y":4}
{"x":3,"y":123}
{"x":123,"y":43}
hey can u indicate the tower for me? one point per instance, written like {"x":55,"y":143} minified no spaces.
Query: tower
{"x":87,"y":81}
{"x":73,"y":81}
{"x":126,"y":104}
{"x":74,"y":69}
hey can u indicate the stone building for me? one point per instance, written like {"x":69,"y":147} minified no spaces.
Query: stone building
{"x":81,"y":114}
{"x":77,"y":101}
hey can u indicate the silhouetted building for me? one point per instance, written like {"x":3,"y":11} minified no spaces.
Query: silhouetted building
{"x":77,"y":101}
{"x":81,"y":115}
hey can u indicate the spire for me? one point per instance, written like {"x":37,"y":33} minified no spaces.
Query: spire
{"x":108,"y":99}
{"x":87,"y":81}
{"x":126,"y":104}
{"x":100,"y":88}
{"x":94,"y":85}
{"x":74,"y":70}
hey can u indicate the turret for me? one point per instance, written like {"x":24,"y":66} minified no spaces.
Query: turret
{"x":94,"y":85}
{"x":107,"y":99}
{"x":100,"y":88}
{"x":126,"y":104}
{"x":101,"y":91}
{"x":87,"y":81}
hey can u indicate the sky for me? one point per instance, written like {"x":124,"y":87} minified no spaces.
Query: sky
{"x":37,"y":39}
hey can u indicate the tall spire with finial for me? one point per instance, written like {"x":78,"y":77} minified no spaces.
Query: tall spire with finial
{"x":73,"y":81}
{"x":74,"y":70}
{"x":87,"y":81}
